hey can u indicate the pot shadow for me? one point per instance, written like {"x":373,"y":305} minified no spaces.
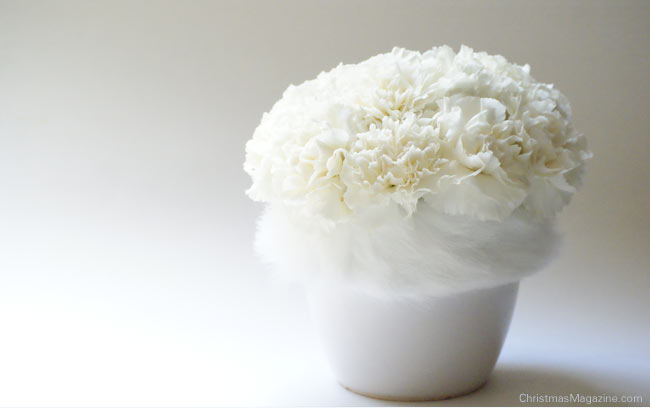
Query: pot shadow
{"x":507,"y":384}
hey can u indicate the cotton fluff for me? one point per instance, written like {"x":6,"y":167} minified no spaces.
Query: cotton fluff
{"x":415,"y":173}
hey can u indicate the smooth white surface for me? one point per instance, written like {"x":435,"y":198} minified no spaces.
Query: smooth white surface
{"x":412,"y":350}
{"x":126,"y":271}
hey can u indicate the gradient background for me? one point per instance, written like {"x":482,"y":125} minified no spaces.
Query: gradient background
{"x":126,"y":270}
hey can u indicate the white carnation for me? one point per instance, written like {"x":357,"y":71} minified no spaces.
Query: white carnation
{"x":468,"y":134}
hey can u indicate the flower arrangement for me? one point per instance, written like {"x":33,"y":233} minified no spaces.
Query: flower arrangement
{"x":415,"y":173}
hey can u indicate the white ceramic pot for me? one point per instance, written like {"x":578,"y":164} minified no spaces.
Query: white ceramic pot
{"x":437,"y":348}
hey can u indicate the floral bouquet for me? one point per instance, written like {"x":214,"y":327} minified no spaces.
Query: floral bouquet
{"x":414,"y":175}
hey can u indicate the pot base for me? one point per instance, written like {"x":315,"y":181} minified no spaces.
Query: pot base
{"x":410,"y":399}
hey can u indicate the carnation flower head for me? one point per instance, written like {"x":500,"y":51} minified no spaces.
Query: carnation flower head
{"x":465,"y":133}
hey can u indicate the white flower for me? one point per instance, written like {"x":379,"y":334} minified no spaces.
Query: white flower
{"x":468,"y":134}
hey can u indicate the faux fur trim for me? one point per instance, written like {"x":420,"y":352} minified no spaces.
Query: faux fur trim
{"x":390,"y":254}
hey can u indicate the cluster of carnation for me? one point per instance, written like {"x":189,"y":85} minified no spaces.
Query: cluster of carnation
{"x":467,"y":133}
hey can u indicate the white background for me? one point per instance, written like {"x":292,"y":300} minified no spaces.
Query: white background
{"x":127,"y":276}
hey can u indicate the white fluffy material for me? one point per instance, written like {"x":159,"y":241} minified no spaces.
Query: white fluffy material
{"x":388,"y":254}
